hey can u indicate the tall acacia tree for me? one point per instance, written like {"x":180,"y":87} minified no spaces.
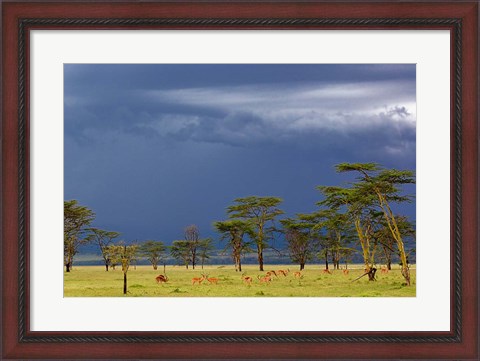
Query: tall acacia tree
{"x":301,"y":244}
{"x":387,"y":242}
{"x":76,"y":219}
{"x":124,"y":255}
{"x":358,"y":209}
{"x":234,"y":230}
{"x":154,"y":251}
{"x":384,"y":184}
{"x":260,"y":212}
{"x":180,"y":250}
{"x":205,"y":248}
{"x":192,"y":236}
{"x":103,"y":239}
{"x":335,"y":231}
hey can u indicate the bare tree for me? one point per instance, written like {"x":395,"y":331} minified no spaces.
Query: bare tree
{"x":192,"y":236}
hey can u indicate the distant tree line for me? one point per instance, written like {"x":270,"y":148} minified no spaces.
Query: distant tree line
{"x":350,"y":219}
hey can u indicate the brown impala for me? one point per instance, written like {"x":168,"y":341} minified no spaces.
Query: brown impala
{"x":198,"y":279}
{"x":161,"y":279}
{"x":213,"y":280}
{"x":265,"y":279}
{"x":248,"y":280}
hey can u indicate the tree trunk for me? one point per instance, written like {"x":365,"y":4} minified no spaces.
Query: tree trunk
{"x":326,"y":263}
{"x":124,"y":283}
{"x":155,"y":267}
{"x":302,"y":266}
{"x":68,"y":267}
{"x":392,"y":224}
{"x":260,"y":259}
{"x":239,"y":265}
{"x":106,"y":267}
{"x":389,"y":265}
{"x":371,"y":274}
{"x":194,"y":258}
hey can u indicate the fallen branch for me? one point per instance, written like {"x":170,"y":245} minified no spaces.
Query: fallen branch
{"x":371,"y":271}
{"x":366,"y":273}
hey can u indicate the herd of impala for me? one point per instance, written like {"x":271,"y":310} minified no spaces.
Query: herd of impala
{"x":265,"y":279}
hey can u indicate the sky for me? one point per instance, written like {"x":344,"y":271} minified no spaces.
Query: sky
{"x":154,"y":148}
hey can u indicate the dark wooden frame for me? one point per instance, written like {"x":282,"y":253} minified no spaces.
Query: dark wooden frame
{"x":461,"y":18}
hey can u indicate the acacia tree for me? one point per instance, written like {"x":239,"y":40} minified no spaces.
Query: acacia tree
{"x":299,"y":240}
{"x":387,"y":242}
{"x":76,"y":219}
{"x":180,"y":250}
{"x":205,"y":247}
{"x":192,"y":236}
{"x":154,"y":251}
{"x":358,"y":208}
{"x":233,"y":230}
{"x":336,"y":233}
{"x":124,"y":255}
{"x":260,"y":212}
{"x":384,"y":184}
{"x":103,"y":239}
{"x":347,"y":254}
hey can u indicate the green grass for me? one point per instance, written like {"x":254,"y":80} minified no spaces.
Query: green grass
{"x":94,"y":281}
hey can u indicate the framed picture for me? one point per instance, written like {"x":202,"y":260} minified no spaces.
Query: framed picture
{"x":51,"y":50}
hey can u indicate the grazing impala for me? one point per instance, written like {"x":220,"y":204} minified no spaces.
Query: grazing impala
{"x":297,"y":274}
{"x":248,"y":280}
{"x":327,"y":271}
{"x":384,"y":269}
{"x":283,"y":272}
{"x":213,"y":280}
{"x":269,"y":273}
{"x":161,"y":279}
{"x":345,"y":272}
{"x":265,"y":279}
{"x":198,"y":279}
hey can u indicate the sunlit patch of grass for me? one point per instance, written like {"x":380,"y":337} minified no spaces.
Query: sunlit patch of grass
{"x":93,"y":281}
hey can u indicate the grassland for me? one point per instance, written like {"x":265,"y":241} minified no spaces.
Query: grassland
{"x":94,"y":281}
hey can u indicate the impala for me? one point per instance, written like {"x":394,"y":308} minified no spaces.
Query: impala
{"x":327,"y":271}
{"x":248,"y":280}
{"x":345,"y":271}
{"x":265,"y":279}
{"x":270,"y":273}
{"x":297,"y":274}
{"x":198,"y":279}
{"x":384,"y":269}
{"x":283,"y":272}
{"x":161,"y":279}
{"x":213,"y":280}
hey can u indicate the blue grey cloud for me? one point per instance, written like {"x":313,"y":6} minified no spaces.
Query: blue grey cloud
{"x":152,"y":148}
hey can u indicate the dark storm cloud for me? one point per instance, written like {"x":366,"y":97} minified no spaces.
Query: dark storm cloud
{"x":154,"y":148}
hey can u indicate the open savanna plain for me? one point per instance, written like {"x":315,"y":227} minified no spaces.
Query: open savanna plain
{"x":94,"y":281}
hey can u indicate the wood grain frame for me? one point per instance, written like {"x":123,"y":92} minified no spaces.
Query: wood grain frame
{"x":460,"y":18}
